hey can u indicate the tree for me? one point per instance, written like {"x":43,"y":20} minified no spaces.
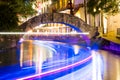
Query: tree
{"x":9,"y":11}
{"x":109,"y":7}
{"x":106,"y":6}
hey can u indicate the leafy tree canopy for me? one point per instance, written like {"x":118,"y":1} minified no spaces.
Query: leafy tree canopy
{"x":9,"y":11}
{"x":107,"y":6}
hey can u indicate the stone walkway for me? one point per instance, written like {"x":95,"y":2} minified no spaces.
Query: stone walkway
{"x":111,"y":36}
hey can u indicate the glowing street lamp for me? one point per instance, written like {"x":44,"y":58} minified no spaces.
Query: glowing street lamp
{"x":94,"y":10}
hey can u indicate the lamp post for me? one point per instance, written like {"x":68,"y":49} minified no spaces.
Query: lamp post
{"x":85,"y":10}
{"x":69,"y":6}
{"x":94,"y":10}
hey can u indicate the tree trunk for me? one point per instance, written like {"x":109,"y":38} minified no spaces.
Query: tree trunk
{"x":94,"y":21}
{"x":102,"y":27}
{"x":85,"y":8}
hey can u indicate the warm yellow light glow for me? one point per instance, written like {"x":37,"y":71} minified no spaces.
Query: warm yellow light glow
{"x":41,"y":25}
{"x":99,"y":9}
{"x":21,"y":55}
{"x":66,"y":11}
{"x":29,"y":31}
{"x":72,"y":1}
{"x":50,"y":2}
{"x":33,"y":6}
{"x":60,"y":1}
{"x":118,"y":68}
{"x":76,"y":49}
{"x":94,"y":9}
{"x":78,"y":14}
{"x":30,"y":52}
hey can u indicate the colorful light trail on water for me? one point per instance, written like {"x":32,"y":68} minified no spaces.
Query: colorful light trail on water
{"x":57,"y":70}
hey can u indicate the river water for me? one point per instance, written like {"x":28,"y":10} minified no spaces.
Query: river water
{"x":111,"y":62}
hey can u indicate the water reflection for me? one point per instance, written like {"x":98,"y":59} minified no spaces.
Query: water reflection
{"x":8,"y":57}
{"x":45,"y":54}
{"x":43,"y":59}
{"x":111,"y":65}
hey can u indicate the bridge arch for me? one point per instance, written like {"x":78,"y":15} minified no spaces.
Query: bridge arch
{"x":63,"y":18}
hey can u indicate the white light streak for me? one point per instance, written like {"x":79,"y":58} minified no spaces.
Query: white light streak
{"x":37,"y":33}
{"x":97,"y":66}
{"x":94,"y":76}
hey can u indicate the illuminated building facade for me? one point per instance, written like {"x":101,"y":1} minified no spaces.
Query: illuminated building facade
{"x":113,"y":24}
{"x":42,"y":6}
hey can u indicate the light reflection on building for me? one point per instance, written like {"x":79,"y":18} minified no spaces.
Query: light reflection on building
{"x":42,"y":6}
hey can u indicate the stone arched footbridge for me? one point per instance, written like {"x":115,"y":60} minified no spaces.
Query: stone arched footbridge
{"x":63,"y":18}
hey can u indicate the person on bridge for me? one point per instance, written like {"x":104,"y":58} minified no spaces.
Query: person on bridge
{"x":96,"y":34}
